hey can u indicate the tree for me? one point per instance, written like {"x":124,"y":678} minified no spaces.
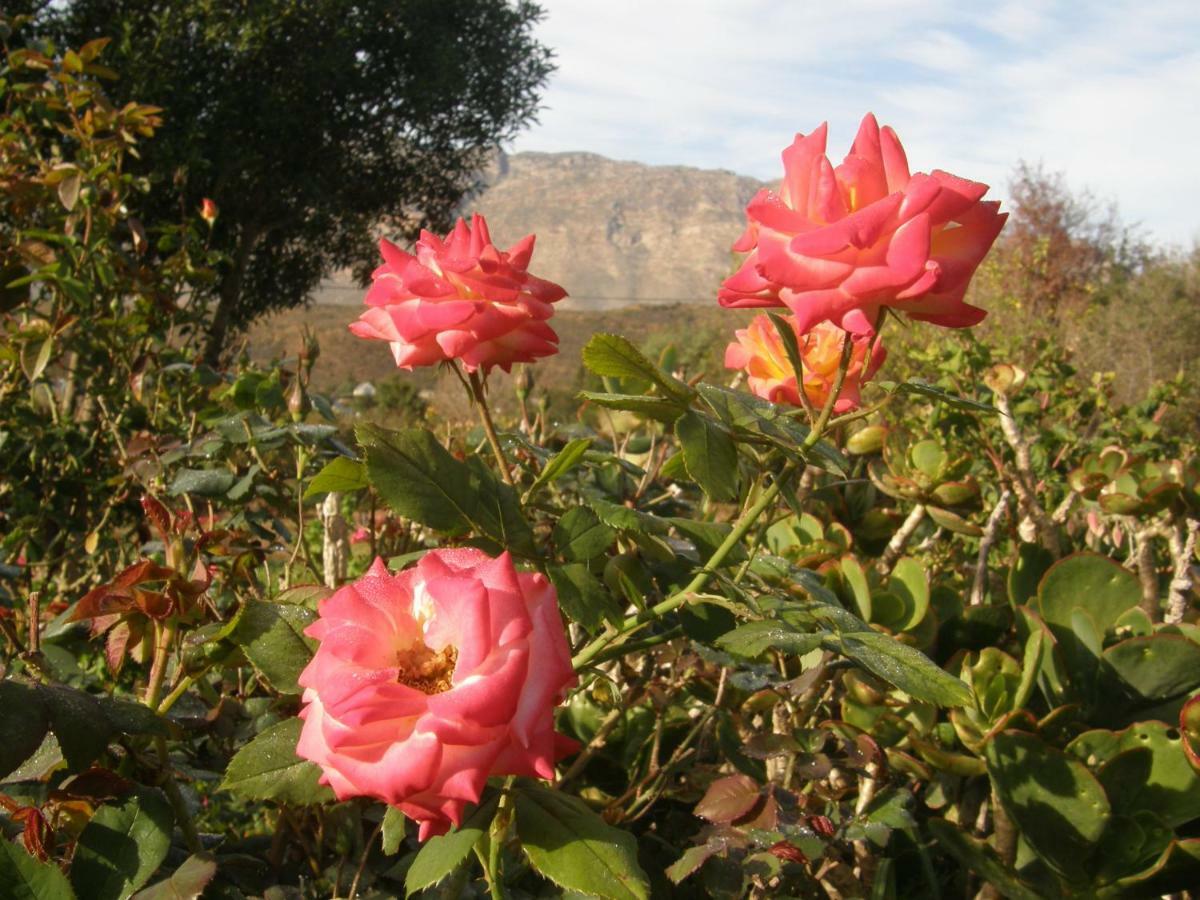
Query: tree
{"x":310,"y":122}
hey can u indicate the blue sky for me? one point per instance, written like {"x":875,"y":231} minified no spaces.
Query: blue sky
{"x":1106,"y":92}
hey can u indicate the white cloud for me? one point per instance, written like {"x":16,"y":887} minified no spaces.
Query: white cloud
{"x":1104,"y":91}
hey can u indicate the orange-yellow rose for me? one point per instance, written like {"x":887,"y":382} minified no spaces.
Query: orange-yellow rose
{"x":760,"y":352}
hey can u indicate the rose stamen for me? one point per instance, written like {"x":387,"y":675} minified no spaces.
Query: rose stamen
{"x":427,"y":670}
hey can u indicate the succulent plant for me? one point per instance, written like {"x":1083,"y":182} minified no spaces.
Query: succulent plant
{"x":1125,"y":485}
{"x":807,"y":541}
{"x":927,"y":472}
{"x":900,"y":603}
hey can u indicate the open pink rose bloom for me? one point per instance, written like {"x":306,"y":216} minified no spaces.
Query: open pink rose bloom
{"x":760,"y":351}
{"x":428,"y":681}
{"x":460,"y":298}
{"x":839,"y":244}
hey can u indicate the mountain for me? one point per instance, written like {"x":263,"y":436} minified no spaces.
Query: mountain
{"x":612,"y":233}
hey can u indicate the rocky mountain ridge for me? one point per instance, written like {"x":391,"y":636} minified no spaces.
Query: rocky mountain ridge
{"x":613,"y":233}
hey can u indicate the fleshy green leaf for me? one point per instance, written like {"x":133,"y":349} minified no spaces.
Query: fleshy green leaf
{"x":268,"y":768}
{"x":1087,"y":581}
{"x":977,"y":856}
{"x":576,"y":849}
{"x":1059,"y":806}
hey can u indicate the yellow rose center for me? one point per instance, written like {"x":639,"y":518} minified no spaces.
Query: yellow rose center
{"x":429,"y":671}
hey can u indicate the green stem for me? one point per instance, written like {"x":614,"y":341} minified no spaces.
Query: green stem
{"x":475,"y":386}
{"x":634,"y":646}
{"x":860,"y":413}
{"x":745,"y":522}
{"x":490,"y":860}
{"x":178,"y":691}
{"x":165,"y":637}
{"x":823,"y":419}
{"x":170,"y":787}
{"x":585,"y":656}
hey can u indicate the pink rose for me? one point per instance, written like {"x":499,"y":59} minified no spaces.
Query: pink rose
{"x":429,"y":681}
{"x":839,"y":244}
{"x":460,"y":298}
{"x":759,"y":350}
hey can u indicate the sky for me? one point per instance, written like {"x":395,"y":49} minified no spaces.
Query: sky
{"x":1108,"y":93}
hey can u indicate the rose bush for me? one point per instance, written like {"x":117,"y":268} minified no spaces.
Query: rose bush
{"x":802,"y":651}
{"x":760,"y":352}
{"x":460,"y":298}
{"x":428,"y":681}
{"x":839,"y":244}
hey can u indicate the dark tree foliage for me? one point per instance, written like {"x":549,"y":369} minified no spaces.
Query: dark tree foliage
{"x":309,"y":122}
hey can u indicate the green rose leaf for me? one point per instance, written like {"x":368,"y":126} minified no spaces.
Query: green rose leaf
{"x":272,"y":637}
{"x":122,"y":846}
{"x":268,"y":768}
{"x":441,"y":855}
{"x":661,"y":409}
{"x":901,"y":665}
{"x":583,"y":597}
{"x":709,"y":454}
{"x":202,"y":482}
{"x":580,"y":535}
{"x":340,"y":474}
{"x":25,"y":725}
{"x":576,"y":849}
{"x":563,"y":462}
{"x":753,"y":638}
{"x":24,"y":878}
{"x":393,"y":830}
{"x":187,"y":883}
{"x":420,"y":480}
{"x":615,"y":357}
